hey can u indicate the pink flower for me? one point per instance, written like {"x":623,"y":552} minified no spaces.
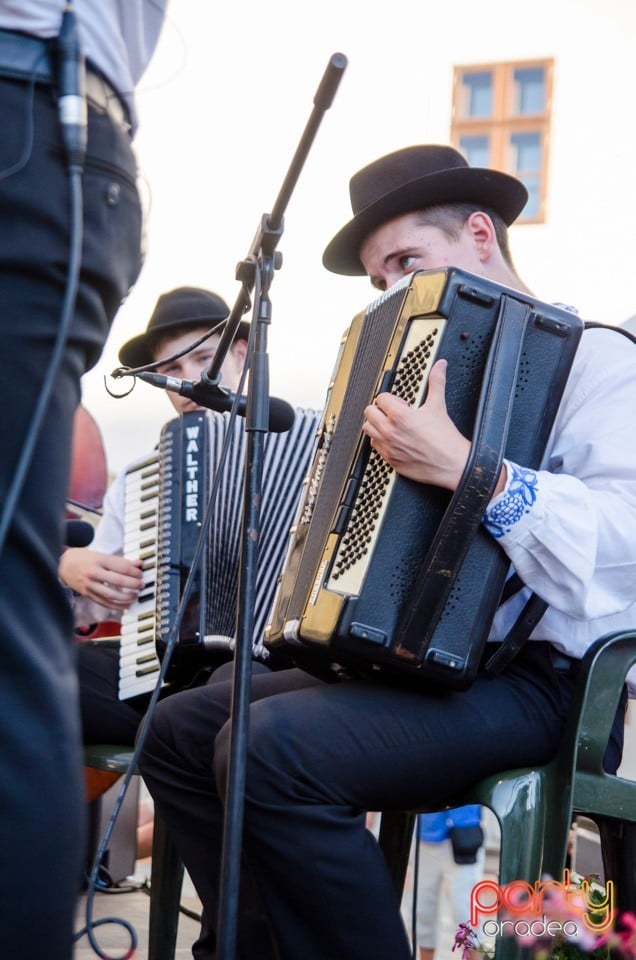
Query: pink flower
{"x":466,"y":939}
{"x":624,"y":940}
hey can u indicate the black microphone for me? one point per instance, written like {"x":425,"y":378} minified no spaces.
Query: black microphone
{"x":79,"y":533}
{"x":71,"y":84}
{"x":281,"y":413}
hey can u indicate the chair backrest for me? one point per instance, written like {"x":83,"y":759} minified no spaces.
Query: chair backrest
{"x":578,"y":782}
{"x":596,"y":699}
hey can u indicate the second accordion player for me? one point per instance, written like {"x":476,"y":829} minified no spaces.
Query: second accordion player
{"x":383,"y":573}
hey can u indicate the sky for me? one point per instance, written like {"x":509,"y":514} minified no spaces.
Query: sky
{"x":222,"y":109}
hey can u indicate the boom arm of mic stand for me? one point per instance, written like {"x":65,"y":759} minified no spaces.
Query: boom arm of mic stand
{"x":270,"y":228}
{"x":261,"y":262}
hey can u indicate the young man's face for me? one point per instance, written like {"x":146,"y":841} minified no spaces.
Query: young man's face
{"x":400,"y":246}
{"x":190,"y":366}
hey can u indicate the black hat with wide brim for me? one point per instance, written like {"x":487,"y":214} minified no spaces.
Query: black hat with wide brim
{"x":178,"y":311}
{"x":413,"y":179}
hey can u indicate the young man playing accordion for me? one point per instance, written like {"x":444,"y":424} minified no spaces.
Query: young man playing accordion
{"x":321,"y":754}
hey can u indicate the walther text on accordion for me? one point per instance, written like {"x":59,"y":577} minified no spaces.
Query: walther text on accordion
{"x":383,"y":573}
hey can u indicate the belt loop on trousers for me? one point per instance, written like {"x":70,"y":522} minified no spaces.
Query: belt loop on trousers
{"x":561,"y":661}
{"x":28,"y":58}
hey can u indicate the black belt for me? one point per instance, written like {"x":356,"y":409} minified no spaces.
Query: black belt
{"x":560,"y":661}
{"x":24,"y":57}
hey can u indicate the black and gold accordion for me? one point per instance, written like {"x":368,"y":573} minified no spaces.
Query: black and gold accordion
{"x":385,"y":574}
{"x":166,"y":497}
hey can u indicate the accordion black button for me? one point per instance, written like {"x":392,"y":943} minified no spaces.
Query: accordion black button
{"x":444,"y":659}
{"x":364,"y":632}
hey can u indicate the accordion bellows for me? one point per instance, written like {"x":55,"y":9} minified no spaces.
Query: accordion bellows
{"x":199,"y":468}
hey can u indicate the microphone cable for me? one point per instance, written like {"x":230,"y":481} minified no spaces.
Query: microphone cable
{"x":416,"y":880}
{"x":72,"y":114}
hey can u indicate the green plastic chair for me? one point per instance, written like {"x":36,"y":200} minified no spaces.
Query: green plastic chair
{"x":535,"y":808}
{"x":578,"y":783}
{"x":166,"y":875}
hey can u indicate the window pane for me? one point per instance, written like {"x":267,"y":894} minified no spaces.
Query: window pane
{"x":531,"y":209}
{"x":476,"y":150}
{"x":529,"y":89}
{"x":501,"y":120}
{"x":478,"y":94}
{"x":526,"y":151}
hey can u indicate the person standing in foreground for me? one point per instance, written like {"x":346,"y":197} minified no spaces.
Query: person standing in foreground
{"x":41,"y":792}
{"x":321,"y":754}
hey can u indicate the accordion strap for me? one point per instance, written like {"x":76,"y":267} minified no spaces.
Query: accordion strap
{"x":534,"y":607}
{"x":474,"y":491}
{"x":521,"y":629}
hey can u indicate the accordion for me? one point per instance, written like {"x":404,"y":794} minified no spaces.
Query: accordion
{"x":385,"y":574}
{"x":166,"y":497}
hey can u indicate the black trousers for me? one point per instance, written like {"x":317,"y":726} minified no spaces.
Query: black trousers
{"x":319,"y":755}
{"x":41,"y":785}
{"x":105,"y":718}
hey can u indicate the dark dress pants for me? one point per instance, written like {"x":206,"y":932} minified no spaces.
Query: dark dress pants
{"x":41,"y":784}
{"x":320,"y":755}
{"x":105,"y":718}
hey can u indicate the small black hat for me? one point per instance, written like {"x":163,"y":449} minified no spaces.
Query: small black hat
{"x":413,"y":179}
{"x":179,"y":310}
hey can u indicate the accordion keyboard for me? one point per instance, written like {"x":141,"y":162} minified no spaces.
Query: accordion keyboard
{"x":139,"y":664}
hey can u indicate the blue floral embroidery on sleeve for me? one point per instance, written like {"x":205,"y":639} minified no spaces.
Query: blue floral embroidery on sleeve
{"x":519,"y":497}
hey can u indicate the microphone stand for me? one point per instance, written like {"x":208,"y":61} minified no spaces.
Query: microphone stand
{"x":256,"y":271}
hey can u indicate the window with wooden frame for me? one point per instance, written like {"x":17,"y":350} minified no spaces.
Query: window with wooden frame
{"x":501,"y":119}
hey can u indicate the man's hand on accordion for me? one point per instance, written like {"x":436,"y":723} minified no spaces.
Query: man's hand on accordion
{"x":421,"y":443}
{"x":105,"y":578}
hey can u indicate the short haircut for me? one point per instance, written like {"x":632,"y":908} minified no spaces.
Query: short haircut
{"x":451,"y":217}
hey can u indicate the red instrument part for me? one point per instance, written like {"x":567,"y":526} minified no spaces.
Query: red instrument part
{"x":89,"y":473}
{"x":87,"y":486}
